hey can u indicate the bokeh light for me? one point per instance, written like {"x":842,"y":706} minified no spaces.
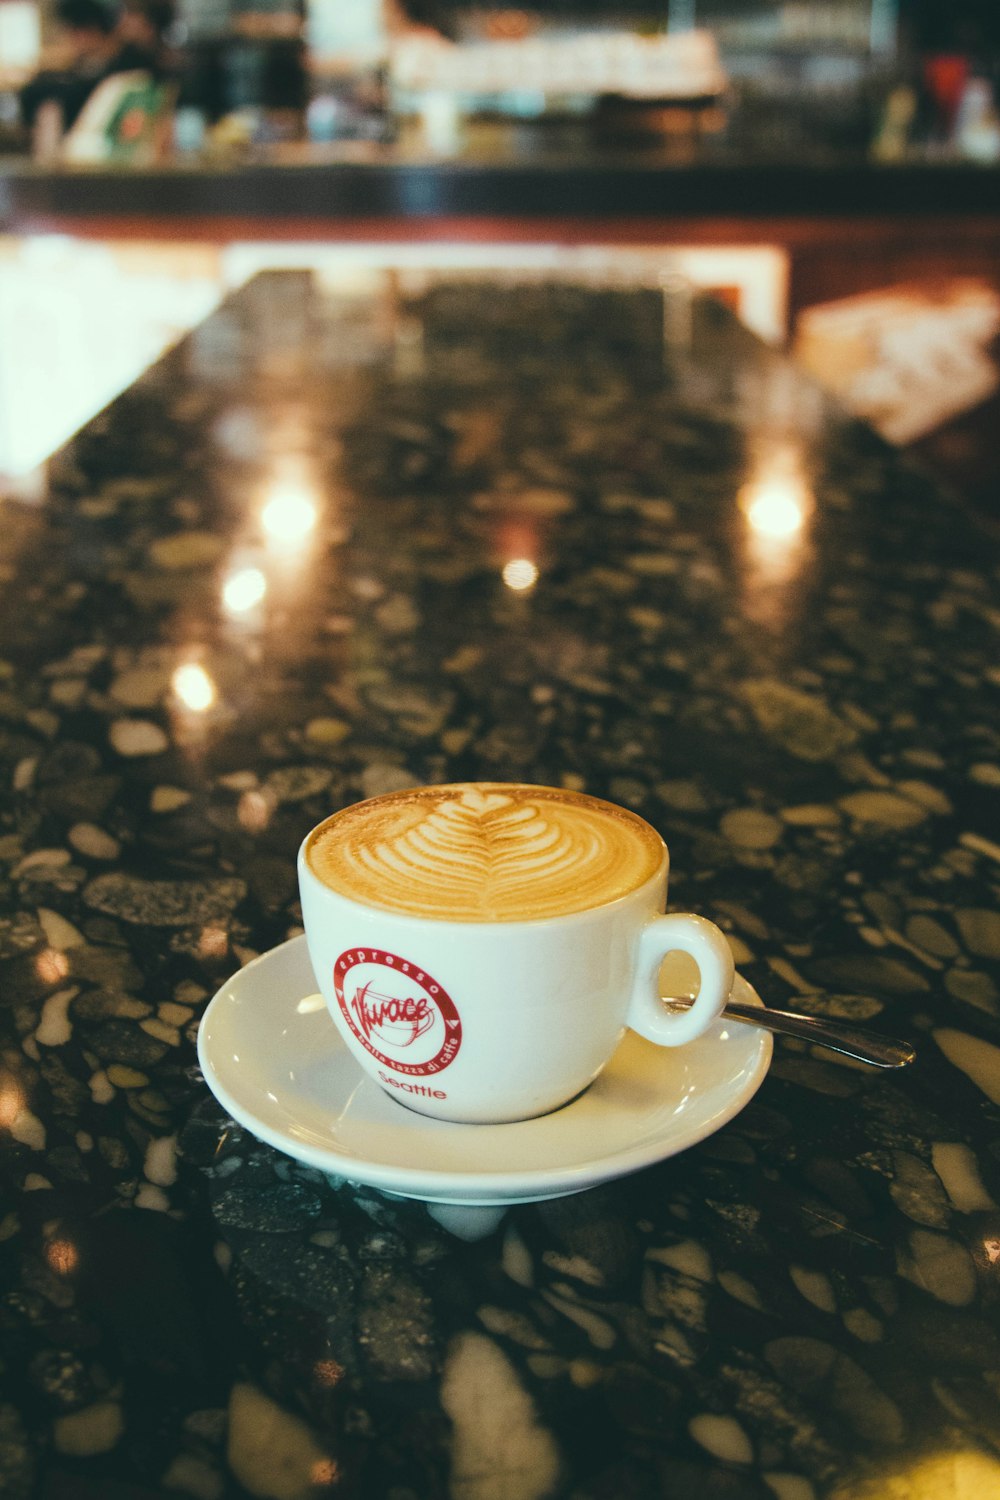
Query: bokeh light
{"x":290,"y":514}
{"x":777,"y":510}
{"x":243,"y":590}
{"x":193,"y":686}
{"x":12,"y":1101}
{"x":520,"y":574}
{"x":62,"y":1256}
{"x":51,"y":965}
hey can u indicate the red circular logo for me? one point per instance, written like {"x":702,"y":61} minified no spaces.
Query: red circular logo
{"x":397,"y":1011}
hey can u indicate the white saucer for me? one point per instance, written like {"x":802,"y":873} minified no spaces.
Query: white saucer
{"x":274,"y":1059}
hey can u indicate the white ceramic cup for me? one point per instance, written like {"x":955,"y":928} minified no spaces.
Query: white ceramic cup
{"x":490,"y":1021}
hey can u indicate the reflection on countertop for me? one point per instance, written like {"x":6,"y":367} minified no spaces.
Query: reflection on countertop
{"x":287,"y":569}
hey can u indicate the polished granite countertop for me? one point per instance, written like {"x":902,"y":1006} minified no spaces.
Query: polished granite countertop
{"x":272,"y":578}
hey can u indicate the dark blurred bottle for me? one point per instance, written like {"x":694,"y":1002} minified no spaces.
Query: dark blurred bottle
{"x":257,"y":68}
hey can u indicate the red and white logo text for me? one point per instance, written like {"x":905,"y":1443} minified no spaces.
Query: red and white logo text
{"x":397,"y":1011}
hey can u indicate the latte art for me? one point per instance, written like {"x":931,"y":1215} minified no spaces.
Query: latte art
{"x":485,"y":852}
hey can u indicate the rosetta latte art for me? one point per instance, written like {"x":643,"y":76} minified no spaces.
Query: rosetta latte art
{"x":485,"y":852}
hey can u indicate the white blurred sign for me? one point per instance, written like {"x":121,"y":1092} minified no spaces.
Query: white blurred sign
{"x":908,"y":359}
{"x":20,"y":34}
{"x":334,"y":26}
{"x":681,"y":66}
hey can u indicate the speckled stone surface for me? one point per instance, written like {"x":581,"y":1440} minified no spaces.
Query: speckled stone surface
{"x":192,"y":673}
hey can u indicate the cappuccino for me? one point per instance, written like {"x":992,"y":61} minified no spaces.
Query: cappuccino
{"x":482,"y":947}
{"x":484,"y":852}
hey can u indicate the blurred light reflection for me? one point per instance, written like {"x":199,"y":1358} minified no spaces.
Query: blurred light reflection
{"x":777,"y":511}
{"x":958,"y":1474}
{"x":243,"y":590}
{"x":520,"y":574}
{"x":326,"y":1471}
{"x":213,"y":942}
{"x":328,"y":1372}
{"x":290,"y":514}
{"x":12,"y":1101}
{"x":193,"y":686}
{"x":254,"y":811}
{"x":309,"y":1005}
{"x":777,"y":504}
{"x":51,"y":965}
{"x":62,"y":1256}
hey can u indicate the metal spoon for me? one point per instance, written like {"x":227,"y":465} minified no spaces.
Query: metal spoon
{"x":852,"y":1041}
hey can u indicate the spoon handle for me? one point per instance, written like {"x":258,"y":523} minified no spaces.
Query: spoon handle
{"x":853,"y":1041}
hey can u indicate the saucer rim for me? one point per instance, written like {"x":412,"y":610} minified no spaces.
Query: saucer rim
{"x":454,"y":1186}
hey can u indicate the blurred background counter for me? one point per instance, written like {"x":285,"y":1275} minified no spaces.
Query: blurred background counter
{"x":786,"y":156}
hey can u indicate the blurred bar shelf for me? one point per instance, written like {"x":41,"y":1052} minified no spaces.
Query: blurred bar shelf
{"x":357,"y":184}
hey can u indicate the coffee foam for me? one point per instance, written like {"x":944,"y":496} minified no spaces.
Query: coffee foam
{"x":484,"y":852}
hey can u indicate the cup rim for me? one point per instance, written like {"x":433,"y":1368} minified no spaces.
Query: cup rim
{"x":415,"y":919}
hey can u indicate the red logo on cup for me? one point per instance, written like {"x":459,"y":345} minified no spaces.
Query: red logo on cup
{"x":397,"y":1011}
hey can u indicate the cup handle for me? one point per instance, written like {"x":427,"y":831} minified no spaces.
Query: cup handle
{"x":685,"y":933}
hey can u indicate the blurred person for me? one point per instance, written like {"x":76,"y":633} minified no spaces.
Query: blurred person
{"x":96,"y":41}
{"x":142,"y":34}
{"x":84,"y":51}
